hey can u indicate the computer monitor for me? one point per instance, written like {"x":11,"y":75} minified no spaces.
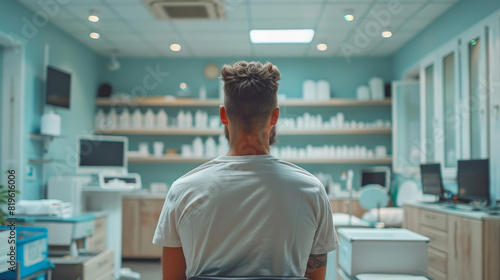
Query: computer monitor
{"x":102,"y":154}
{"x":432,"y":181}
{"x":380,"y":175}
{"x":473,"y":178}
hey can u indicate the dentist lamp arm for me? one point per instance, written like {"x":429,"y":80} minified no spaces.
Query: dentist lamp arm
{"x":173,"y":264}
{"x":316,"y":267}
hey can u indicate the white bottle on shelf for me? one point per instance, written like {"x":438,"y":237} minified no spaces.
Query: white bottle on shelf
{"x":99,"y":119}
{"x":198,"y":119}
{"x":377,"y":88}
{"x":223,"y":146}
{"x":124,"y":119}
{"x":188,"y":120}
{"x":210,"y":148}
{"x":137,"y":119}
{"x":112,"y":122}
{"x":161,"y":119}
{"x":340,"y":120}
{"x":198,"y":147}
{"x":323,"y":90}
{"x":181,"y":119}
{"x":149,"y":119}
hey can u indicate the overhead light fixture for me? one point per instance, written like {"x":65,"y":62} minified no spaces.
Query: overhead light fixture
{"x":281,"y":36}
{"x":183,"y":86}
{"x":349,"y":15}
{"x":113,"y":63}
{"x":387,"y":34}
{"x":95,"y":35}
{"x":175,"y":47}
{"x":94,"y":16}
{"x":322,"y":47}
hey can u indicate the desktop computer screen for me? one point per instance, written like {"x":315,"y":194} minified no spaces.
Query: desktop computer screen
{"x":102,"y":154}
{"x":432,"y":182}
{"x":473,"y":178}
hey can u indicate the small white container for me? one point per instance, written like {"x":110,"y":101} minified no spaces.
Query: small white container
{"x":323,"y":90}
{"x":158,"y":187}
{"x":144,"y":149}
{"x":186,"y":151}
{"x":210,"y":148}
{"x":181,"y":120}
{"x":161,"y":119}
{"x":112,"y":122}
{"x":188,"y":120}
{"x":124,"y":119}
{"x":158,"y":148}
{"x":149,"y":119}
{"x":340,"y":120}
{"x":377,"y":88}
{"x":363,"y":93}
{"x":380,"y":151}
{"x":393,"y":251}
{"x":99,"y":119}
{"x":136,"y":119}
{"x":309,"y":90}
{"x":198,"y":147}
{"x":203,"y":93}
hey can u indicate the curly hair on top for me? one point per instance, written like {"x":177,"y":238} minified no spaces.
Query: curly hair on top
{"x":250,"y":92}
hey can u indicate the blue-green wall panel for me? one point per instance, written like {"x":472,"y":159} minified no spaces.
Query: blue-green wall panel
{"x":452,"y":23}
{"x":65,"y":53}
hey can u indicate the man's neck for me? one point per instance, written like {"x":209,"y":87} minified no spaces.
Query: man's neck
{"x":248,"y":145}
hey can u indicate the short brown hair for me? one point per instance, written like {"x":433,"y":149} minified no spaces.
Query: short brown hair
{"x":250,"y":92}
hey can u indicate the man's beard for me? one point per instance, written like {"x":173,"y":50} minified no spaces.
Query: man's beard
{"x":272,"y":135}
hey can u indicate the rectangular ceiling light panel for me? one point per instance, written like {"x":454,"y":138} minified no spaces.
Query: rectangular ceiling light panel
{"x":281,"y":36}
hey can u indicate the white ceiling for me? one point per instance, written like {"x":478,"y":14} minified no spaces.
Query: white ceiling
{"x":129,"y":26}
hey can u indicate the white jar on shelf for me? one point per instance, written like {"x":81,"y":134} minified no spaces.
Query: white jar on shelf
{"x":149,"y":119}
{"x":181,"y":119}
{"x":99,"y":119}
{"x":124,"y":119}
{"x":188,"y":120}
{"x":136,"y":122}
{"x":161,"y":119}
{"x":112,"y":120}
{"x":210,"y":148}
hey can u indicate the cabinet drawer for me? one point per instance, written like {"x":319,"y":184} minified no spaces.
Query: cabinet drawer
{"x":434,"y":220}
{"x":101,"y":264}
{"x":438,"y":239}
{"x":97,"y":243}
{"x":437,"y":260}
{"x":435,"y":274}
{"x":100,"y":226}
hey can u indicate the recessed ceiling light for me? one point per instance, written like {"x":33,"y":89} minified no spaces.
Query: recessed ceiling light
{"x":280,"y":36}
{"x":322,"y":47}
{"x":95,"y":35}
{"x":349,"y":15}
{"x":94,"y":16}
{"x":387,"y":34}
{"x":175,"y":47}
{"x":183,"y":85}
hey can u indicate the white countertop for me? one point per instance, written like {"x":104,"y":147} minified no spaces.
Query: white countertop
{"x":477,"y":215}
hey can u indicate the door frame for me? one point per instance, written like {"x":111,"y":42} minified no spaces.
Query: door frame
{"x":12,"y":111}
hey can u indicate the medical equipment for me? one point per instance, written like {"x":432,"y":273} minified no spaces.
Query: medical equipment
{"x":98,"y":154}
{"x":64,"y":232}
{"x":380,"y":175}
{"x":45,"y":207}
{"x":382,"y":251}
{"x":120,"y":181}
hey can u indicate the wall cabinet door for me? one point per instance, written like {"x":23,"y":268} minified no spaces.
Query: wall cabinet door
{"x":465,"y":258}
{"x":429,"y":109}
{"x":406,"y":127}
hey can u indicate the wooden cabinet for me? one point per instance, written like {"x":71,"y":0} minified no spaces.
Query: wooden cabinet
{"x":140,"y":217}
{"x":97,"y":242}
{"x":462,"y":246}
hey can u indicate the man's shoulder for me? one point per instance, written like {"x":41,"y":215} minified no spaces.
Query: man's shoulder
{"x":298,"y":173}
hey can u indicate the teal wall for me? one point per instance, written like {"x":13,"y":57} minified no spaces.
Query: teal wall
{"x":457,"y":19}
{"x":65,"y":53}
{"x":1,"y":92}
{"x":344,"y":78}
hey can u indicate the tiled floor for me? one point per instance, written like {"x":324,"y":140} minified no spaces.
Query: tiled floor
{"x":149,"y":269}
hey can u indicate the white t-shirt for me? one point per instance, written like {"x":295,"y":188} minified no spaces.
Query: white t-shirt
{"x":247,"y":216}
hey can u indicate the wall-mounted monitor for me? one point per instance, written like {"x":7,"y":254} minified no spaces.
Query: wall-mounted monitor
{"x":379,"y":175}
{"x":58,"y":88}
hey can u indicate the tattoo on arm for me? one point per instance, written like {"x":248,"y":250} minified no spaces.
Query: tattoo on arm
{"x":316,"y":261}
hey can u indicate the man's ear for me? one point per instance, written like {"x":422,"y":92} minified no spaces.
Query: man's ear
{"x":222,"y":114}
{"x":275,"y":115}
